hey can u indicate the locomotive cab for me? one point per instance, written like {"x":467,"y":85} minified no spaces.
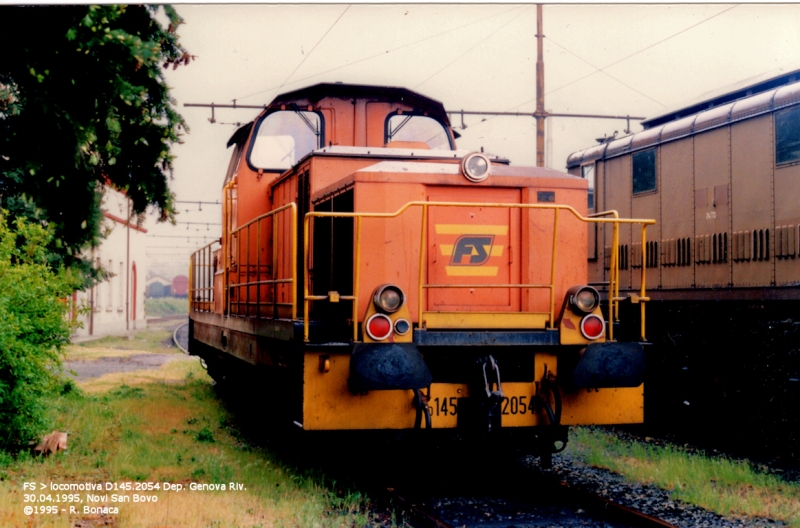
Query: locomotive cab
{"x":394,"y":281}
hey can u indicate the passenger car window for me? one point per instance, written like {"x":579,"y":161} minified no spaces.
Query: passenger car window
{"x":644,"y":171}
{"x":787,"y":135}
{"x":407,"y":127}
{"x":282,"y":138}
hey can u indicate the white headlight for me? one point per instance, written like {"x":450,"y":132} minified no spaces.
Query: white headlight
{"x":475,"y":167}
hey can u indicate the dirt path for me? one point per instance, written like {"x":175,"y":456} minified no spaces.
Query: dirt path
{"x":136,"y":360}
{"x":105,"y":365}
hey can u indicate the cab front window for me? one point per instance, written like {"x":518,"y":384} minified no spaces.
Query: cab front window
{"x":417,"y":129}
{"x":282,"y":138}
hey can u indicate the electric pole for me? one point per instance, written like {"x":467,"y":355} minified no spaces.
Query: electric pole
{"x":540,"y":112}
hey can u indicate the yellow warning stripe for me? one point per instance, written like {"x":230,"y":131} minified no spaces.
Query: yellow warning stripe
{"x":470,"y":229}
{"x":471,"y":271}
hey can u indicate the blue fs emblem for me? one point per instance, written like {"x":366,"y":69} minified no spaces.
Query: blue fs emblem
{"x":477,"y":247}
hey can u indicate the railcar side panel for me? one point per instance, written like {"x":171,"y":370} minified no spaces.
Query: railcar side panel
{"x":752,"y":183}
{"x":677,"y":214}
{"x":618,"y":188}
{"x":646,"y":204}
{"x":787,"y":222}
{"x":712,"y":211}
{"x":596,"y":233}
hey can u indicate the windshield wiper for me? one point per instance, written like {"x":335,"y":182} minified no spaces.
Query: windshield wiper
{"x":308,"y":123}
{"x":394,"y":132}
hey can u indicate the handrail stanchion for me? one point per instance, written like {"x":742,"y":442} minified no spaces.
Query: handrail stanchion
{"x":274,"y":274}
{"x":551,"y":322}
{"x":355,"y":279}
{"x":191,"y":282}
{"x":306,"y":314}
{"x":422,"y":247}
{"x":294,"y":263}
{"x":642,"y":286}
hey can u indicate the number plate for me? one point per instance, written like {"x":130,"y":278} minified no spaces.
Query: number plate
{"x":516,"y":409}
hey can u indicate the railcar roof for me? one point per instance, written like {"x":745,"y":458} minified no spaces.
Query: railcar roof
{"x":740,"y":90}
{"x":763,"y":102}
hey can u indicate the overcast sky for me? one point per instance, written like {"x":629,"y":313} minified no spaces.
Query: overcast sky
{"x":638,"y":60}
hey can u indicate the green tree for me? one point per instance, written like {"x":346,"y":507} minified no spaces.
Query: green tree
{"x":35,"y":328}
{"x":83,"y":103}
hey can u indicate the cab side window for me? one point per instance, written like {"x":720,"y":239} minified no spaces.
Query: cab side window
{"x":284,"y":137}
{"x":644,"y":171}
{"x":787,"y":135}
{"x":587,"y":171}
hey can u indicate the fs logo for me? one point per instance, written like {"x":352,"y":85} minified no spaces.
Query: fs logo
{"x":472,"y":252}
{"x":478,"y":249}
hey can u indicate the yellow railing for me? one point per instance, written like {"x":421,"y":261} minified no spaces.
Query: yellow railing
{"x":202,"y":269}
{"x":614,"y":297}
{"x":238,"y":293}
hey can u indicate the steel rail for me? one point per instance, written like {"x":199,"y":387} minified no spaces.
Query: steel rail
{"x":613,"y":509}
{"x":423,"y":517}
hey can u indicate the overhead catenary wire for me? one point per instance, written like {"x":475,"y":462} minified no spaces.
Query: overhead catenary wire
{"x":601,"y":70}
{"x":490,"y":35}
{"x":312,"y":49}
{"x":610,"y":65}
{"x":384,"y":53}
{"x":638,"y":52}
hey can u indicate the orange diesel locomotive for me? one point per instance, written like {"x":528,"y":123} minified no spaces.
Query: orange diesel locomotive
{"x":376,"y":277}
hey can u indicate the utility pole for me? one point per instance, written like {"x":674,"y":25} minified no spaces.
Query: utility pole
{"x":540,"y":112}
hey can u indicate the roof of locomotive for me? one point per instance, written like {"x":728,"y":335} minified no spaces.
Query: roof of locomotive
{"x":314,"y":94}
{"x":740,"y":109}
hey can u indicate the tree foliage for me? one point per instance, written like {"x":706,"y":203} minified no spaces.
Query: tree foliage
{"x":83,"y":103}
{"x":34,"y":330}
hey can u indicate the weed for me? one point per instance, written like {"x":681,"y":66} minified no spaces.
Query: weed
{"x":68,"y":387}
{"x":728,"y":487}
{"x":205,"y":435}
{"x":128,"y":392}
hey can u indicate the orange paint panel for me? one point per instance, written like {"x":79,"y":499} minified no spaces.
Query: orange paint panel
{"x":478,"y":240}
{"x":397,"y":260}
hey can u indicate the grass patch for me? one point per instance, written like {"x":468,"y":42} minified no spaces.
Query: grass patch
{"x":150,"y":340}
{"x":172,"y":428}
{"x":728,"y":487}
{"x":166,"y":306}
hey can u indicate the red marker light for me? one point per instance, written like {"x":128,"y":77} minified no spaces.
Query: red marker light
{"x":379,"y":327}
{"x":592,"y":327}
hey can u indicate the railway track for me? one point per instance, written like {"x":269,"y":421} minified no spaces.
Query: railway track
{"x":561,"y":505}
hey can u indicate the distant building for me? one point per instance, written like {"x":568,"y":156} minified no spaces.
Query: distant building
{"x":180,"y":286}
{"x":117,"y":304}
{"x":158,"y":286}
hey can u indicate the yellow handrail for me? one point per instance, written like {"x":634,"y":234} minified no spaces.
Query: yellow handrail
{"x":291,"y":279}
{"x":595,"y":218}
{"x":201,"y":297}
